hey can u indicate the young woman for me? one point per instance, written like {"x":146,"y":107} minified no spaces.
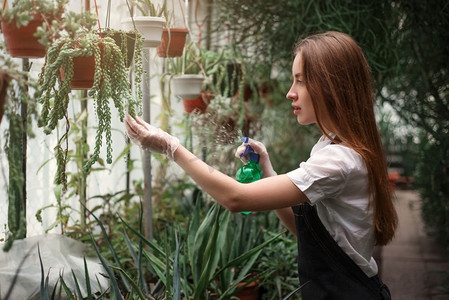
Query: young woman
{"x":338,"y":202}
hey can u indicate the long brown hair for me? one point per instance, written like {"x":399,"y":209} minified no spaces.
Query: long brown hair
{"x":338,"y":79}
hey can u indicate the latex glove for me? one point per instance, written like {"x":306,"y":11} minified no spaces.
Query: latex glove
{"x":150,"y":138}
{"x":264,"y":160}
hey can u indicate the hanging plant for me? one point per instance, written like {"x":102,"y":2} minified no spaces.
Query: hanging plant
{"x":15,"y":90}
{"x":27,"y":25}
{"x":130,"y":42}
{"x":110,"y":82}
{"x":173,"y":41}
{"x":149,"y":24}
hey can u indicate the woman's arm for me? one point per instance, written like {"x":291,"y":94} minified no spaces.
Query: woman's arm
{"x":284,"y":214}
{"x":271,"y":193}
{"x":287,"y":218}
{"x":266,"y":194}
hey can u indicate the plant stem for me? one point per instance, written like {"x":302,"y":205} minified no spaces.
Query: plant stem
{"x":24,"y":113}
{"x":83,"y":156}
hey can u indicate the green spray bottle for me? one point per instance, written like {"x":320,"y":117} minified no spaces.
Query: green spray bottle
{"x":251,"y":171}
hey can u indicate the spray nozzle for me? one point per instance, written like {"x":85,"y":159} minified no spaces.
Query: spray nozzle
{"x":252,"y":155}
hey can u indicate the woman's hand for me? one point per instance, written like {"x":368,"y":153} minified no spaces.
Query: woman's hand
{"x":259,"y":148}
{"x":149,"y":137}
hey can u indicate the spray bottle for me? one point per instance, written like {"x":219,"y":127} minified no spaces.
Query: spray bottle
{"x":251,"y":171}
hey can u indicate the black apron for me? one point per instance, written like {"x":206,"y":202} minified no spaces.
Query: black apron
{"x":326,"y":272}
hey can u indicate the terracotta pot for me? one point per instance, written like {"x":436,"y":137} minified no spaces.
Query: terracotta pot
{"x":83,"y":73}
{"x":172,"y":43}
{"x":249,"y":292}
{"x":4,"y":81}
{"x":195,"y":104}
{"x":20,"y":41}
{"x":130,"y":44}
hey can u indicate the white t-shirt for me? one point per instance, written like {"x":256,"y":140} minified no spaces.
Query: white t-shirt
{"x":335,"y":180}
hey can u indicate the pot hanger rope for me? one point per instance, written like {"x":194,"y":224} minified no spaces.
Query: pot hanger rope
{"x":107,"y":22}
{"x":98,"y":18}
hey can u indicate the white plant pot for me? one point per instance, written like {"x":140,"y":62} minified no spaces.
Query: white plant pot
{"x":187,"y":86}
{"x":149,"y":27}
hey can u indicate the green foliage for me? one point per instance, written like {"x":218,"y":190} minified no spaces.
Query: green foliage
{"x":287,"y":143}
{"x":22,"y":11}
{"x":130,"y":41}
{"x":281,"y":258}
{"x":272,"y":27}
{"x":19,"y":110}
{"x":110,"y":82}
{"x":432,"y":182}
{"x":49,"y":13}
{"x":419,"y":93}
{"x":147,"y":8}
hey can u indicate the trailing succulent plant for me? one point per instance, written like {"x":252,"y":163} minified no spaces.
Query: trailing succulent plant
{"x":110,"y":82}
{"x":23,"y":11}
{"x":130,"y":41}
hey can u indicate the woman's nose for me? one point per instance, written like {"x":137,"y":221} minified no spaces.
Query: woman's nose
{"x":290,"y":95}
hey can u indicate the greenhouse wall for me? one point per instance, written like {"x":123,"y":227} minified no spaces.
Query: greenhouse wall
{"x":41,"y":165}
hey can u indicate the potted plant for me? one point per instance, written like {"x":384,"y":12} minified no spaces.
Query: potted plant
{"x":173,"y":41}
{"x":108,"y":80}
{"x":150,"y":24}
{"x":184,"y":78}
{"x":26,"y":25}
{"x":18,"y":109}
{"x":204,"y":64}
{"x":129,"y":41}
{"x":173,"y":36}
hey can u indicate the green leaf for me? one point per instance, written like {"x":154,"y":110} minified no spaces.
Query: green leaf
{"x":108,"y":269}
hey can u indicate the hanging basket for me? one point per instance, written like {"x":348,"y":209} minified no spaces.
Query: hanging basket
{"x":83,"y":73}
{"x":127,"y":47}
{"x":187,"y":86}
{"x":4,"y":81}
{"x":198,"y":104}
{"x":172,"y":43}
{"x":20,"y":41}
{"x":149,"y":27}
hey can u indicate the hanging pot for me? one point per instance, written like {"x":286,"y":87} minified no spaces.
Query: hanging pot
{"x":130,"y":44}
{"x":83,"y":73}
{"x":172,"y":43}
{"x":187,"y":86}
{"x":4,"y":81}
{"x":149,"y":27}
{"x":20,"y":41}
{"x":198,"y":104}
